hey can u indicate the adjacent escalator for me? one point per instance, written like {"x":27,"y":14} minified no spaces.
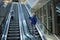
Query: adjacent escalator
{"x":26,"y":15}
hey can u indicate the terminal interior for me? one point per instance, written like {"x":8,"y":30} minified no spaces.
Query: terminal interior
{"x":15,"y":23}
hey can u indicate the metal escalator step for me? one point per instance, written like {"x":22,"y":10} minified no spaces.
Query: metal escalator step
{"x":35,"y":31}
{"x":13,"y":31}
{"x":36,"y":35}
{"x":13,"y":26}
{"x":13,"y":35}
{"x":13,"y":38}
{"x":14,"y":22}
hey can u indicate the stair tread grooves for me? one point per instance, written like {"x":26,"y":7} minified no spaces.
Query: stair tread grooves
{"x":14,"y":24}
{"x":14,"y":34}
{"x":13,"y":37}
{"x":13,"y":28}
{"x":13,"y":31}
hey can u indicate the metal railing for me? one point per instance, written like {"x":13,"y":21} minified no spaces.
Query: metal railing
{"x":20,"y":22}
{"x":23,"y":34}
{"x":5,"y":26}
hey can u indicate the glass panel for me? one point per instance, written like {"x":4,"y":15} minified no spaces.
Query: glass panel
{"x":49,"y":16}
{"x":44,"y":10}
{"x":40,"y":11}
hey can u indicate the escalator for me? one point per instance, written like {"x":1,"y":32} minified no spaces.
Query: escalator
{"x":14,"y":31}
{"x":26,"y":15}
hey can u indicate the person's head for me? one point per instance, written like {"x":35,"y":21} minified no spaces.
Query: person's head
{"x":33,"y":14}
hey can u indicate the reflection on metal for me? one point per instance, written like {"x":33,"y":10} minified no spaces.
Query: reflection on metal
{"x":20,"y":23}
{"x":25,"y":27}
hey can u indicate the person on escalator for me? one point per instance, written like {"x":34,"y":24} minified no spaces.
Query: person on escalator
{"x":33,"y":21}
{"x":12,"y":15}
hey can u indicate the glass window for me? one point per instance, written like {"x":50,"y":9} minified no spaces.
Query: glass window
{"x":40,"y":11}
{"x":49,"y":16}
{"x":44,"y":10}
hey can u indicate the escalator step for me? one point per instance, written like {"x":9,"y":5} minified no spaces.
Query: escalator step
{"x":36,"y":35}
{"x":14,"y":24}
{"x":13,"y":35}
{"x":13,"y":29}
{"x":12,"y":38}
{"x":13,"y":32}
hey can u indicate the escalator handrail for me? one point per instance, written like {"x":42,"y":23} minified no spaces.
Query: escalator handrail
{"x":20,"y":22}
{"x":25,"y":30}
{"x":4,"y":34}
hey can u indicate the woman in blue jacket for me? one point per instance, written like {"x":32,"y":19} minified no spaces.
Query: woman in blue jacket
{"x":33,"y":20}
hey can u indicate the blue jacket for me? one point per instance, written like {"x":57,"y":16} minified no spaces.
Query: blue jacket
{"x":33,"y":20}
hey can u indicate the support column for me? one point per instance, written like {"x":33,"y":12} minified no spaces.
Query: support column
{"x":43,"y":18}
{"x":54,"y":21}
{"x":47,"y":17}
